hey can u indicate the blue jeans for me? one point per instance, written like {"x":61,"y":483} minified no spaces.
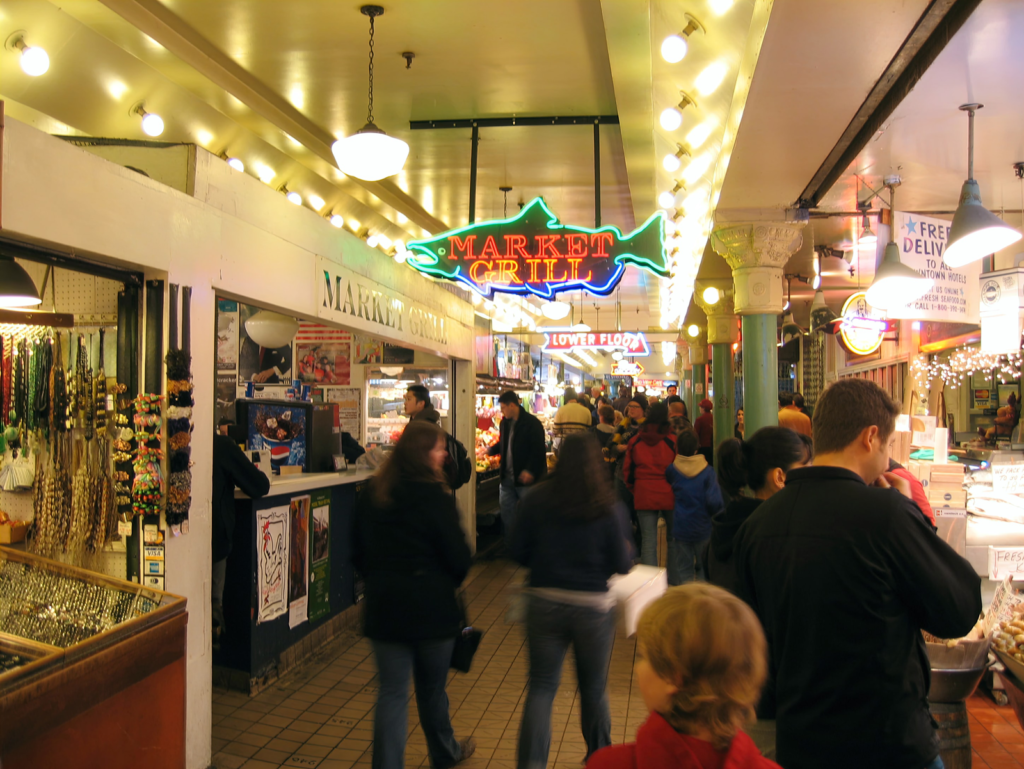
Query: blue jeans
{"x":550,"y":628}
{"x":428,"y":662}
{"x":684,"y":561}
{"x":649,"y":534}
{"x":936,"y":764}
{"x":508,"y":499}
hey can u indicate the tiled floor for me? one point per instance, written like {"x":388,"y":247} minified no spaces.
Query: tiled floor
{"x":996,"y":736}
{"x":322,"y":714}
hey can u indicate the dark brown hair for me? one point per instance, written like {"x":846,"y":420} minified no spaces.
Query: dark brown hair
{"x":409,"y":462}
{"x":687,"y":443}
{"x":747,"y":463}
{"x":848,"y":407}
{"x":580,"y":485}
{"x":607,"y":414}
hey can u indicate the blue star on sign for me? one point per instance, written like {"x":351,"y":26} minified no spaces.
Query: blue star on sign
{"x":911,"y":225}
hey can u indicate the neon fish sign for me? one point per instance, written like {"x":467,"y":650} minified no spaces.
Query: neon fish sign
{"x":632,"y":344}
{"x":532,"y":253}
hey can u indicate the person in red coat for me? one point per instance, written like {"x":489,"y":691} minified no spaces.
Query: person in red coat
{"x":704,"y":426}
{"x":648,"y":455}
{"x":701,"y":663}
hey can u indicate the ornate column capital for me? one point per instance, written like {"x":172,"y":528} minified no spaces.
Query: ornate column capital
{"x":698,"y":346}
{"x":723,"y":323}
{"x":757,"y":252}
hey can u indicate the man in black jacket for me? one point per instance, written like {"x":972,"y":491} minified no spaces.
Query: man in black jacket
{"x":844,"y":573}
{"x":523,"y":450}
{"x":457,"y":468}
{"x":231,"y":467}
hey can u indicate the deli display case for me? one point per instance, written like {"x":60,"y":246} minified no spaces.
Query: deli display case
{"x":385,"y":407}
{"x":81,"y":656}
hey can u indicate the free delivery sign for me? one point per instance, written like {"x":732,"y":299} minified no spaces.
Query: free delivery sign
{"x":954,"y":296}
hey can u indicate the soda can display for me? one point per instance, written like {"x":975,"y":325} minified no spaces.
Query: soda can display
{"x":250,"y":389}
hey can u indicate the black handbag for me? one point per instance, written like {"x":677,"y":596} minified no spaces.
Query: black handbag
{"x":466,"y":642}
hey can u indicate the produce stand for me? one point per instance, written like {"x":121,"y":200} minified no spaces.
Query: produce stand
{"x":82,"y":655}
{"x":488,"y":414}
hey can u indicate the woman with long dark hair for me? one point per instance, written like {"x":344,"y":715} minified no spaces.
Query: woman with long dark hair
{"x":573,"y":534}
{"x":758,"y":467}
{"x":413,"y":555}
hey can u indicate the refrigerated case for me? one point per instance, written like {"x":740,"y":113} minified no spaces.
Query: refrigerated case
{"x":385,"y":393}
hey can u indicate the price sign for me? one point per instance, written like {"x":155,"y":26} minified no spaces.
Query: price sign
{"x":1006,"y":562}
{"x":1008,"y":478}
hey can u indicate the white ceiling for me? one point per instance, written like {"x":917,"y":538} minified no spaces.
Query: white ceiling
{"x":305,"y":62}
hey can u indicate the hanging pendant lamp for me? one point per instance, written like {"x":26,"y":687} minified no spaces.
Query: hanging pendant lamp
{"x":896,"y":284}
{"x":976,"y":232}
{"x":370,"y":154}
{"x":17,"y":289}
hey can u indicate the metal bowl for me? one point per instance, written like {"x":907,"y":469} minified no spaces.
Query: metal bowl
{"x":954,"y":685}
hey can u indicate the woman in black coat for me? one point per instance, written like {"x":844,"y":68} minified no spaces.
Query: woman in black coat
{"x":758,"y":467}
{"x":413,"y":556}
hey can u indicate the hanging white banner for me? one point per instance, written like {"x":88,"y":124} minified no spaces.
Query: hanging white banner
{"x":954,"y":297}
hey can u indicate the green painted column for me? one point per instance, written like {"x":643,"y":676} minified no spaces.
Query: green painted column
{"x":687,"y":392}
{"x":715,"y":298}
{"x":700,"y":378}
{"x":760,"y":372}
{"x":725,"y":398}
{"x":758,"y":252}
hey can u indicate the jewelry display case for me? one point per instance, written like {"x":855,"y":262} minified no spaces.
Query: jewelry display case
{"x":81,"y":656}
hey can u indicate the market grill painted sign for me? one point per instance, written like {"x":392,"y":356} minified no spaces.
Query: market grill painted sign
{"x":532,"y":253}
{"x":954,"y":295}
{"x":631,"y":344}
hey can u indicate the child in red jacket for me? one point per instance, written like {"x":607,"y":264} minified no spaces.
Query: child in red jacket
{"x":701,"y":663}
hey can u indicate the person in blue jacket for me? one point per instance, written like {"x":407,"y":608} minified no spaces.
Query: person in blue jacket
{"x":698,"y":498}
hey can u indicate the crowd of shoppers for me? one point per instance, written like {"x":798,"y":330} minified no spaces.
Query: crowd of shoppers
{"x":822,"y":570}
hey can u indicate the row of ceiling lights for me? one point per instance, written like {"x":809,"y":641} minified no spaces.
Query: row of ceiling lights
{"x":35,"y":61}
{"x":688,"y":207}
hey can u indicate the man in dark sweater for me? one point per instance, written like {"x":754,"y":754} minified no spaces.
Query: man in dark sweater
{"x":231,"y":467}
{"x":524,"y":458}
{"x":844,"y":573}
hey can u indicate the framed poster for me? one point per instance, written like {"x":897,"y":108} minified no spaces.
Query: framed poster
{"x":320,"y":558}
{"x":323,"y":354}
{"x":350,"y":402}
{"x":366,"y":350}
{"x":298,"y":560}
{"x":272,"y":560}
{"x":227,"y":335}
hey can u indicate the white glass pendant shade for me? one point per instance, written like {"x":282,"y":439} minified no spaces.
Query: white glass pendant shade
{"x":555,"y":310}
{"x":673,"y":49}
{"x":896,"y":284}
{"x":370,"y":154}
{"x":271,"y":329}
{"x":17,"y":289}
{"x":581,"y":328}
{"x":976,"y":232}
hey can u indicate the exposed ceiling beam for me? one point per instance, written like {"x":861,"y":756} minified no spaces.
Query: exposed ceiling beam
{"x":173,"y":33}
{"x":933,"y":30}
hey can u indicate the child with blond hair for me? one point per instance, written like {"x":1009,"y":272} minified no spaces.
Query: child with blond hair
{"x":701,"y":663}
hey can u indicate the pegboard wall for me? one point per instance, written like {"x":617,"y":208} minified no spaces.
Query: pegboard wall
{"x":93,"y":302}
{"x":75,"y":292}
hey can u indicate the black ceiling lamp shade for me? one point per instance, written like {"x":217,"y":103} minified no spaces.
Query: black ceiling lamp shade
{"x":17,"y":289}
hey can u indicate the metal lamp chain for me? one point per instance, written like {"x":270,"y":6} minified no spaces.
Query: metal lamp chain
{"x":369,"y":116}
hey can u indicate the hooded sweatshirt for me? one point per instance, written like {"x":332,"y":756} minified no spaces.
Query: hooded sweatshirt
{"x":648,"y":456}
{"x":659,"y":746}
{"x":697,"y":497}
{"x":725,"y":524}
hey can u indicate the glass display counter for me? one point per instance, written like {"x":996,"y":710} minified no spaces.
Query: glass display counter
{"x":385,"y":393}
{"x":81,"y":654}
